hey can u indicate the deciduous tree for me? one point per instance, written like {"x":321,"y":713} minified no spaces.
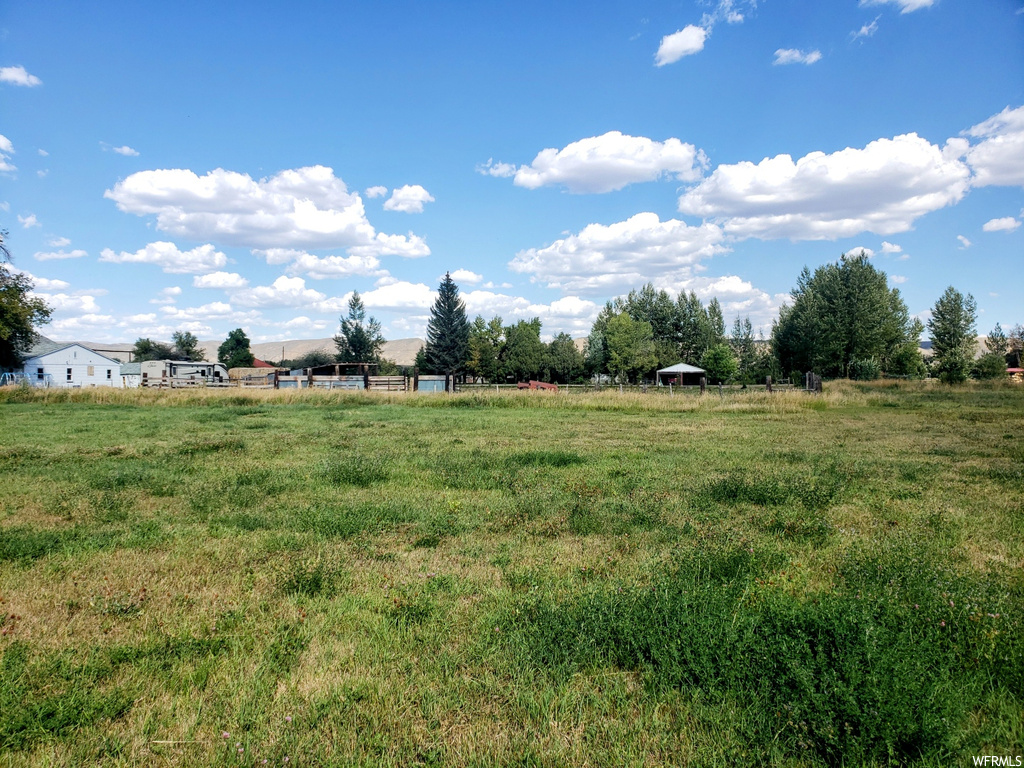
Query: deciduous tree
{"x":235,"y":352}
{"x":20,"y":312}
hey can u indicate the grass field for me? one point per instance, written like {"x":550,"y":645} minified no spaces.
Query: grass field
{"x":518,"y":579}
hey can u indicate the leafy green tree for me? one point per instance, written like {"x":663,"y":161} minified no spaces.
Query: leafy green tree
{"x":595,"y":356}
{"x":991,"y":365}
{"x":20,"y":312}
{"x":486,"y":341}
{"x":745,"y":349}
{"x":719,"y":363}
{"x":953,"y":334}
{"x":235,"y":352}
{"x":630,"y":347}
{"x":147,"y":349}
{"x":693,"y":328}
{"x":564,"y":360}
{"x":659,"y":310}
{"x":447,"y":330}
{"x":358,"y":340}
{"x":716,"y":324}
{"x":312,"y":359}
{"x":524,"y":351}
{"x":186,"y":347}
{"x":845,"y":311}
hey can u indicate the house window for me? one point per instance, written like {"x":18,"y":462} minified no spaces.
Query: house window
{"x":40,"y":374}
{"x":69,"y":374}
{"x":109,"y":374}
{"x":90,"y":370}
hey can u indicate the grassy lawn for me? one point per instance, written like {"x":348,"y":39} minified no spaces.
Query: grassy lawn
{"x":518,"y":579}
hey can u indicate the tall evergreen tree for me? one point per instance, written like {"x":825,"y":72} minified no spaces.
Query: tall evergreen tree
{"x":693,"y":327}
{"x":952,"y":329}
{"x":358,"y":341}
{"x":447,"y":330}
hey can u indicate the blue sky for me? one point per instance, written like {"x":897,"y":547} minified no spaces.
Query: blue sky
{"x":205,"y":166}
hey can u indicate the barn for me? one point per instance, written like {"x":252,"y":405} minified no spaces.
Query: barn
{"x":681,"y":375}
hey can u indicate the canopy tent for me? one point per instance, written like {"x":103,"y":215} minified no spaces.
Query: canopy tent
{"x":680,"y":374}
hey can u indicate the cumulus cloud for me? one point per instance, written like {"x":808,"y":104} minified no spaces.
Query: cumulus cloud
{"x":301,"y":208}
{"x":795,"y":56}
{"x":126,"y":151}
{"x":214,"y":311}
{"x":408,"y":199}
{"x":905,"y":6}
{"x":224,"y":280}
{"x":46,"y":284}
{"x":737,"y":296}
{"x":59,"y":255}
{"x":89,"y":325}
{"x":964,"y":242}
{"x":283,"y":292}
{"x":377,"y":191}
{"x":611,"y":161}
{"x":18,"y":76}
{"x":167,"y":256}
{"x":891,"y":248}
{"x":1005,"y":224}
{"x":465,"y":276}
{"x":898,"y":279}
{"x":998,"y":159}
{"x":58,"y":242}
{"x":608,"y":257}
{"x":491,"y":168}
{"x":686,"y":42}
{"x":167,"y":295}
{"x":29,"y":221}
{"x":6,"y":150}
{"x":63,"y":302}
{"x":397,"y":295}
{"x":882,"y":188}
{"x":569,"y":314}
{"x":869,"y":252}
{"x":325,"y":267}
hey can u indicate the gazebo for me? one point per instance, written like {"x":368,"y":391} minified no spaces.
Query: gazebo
{"x":680,"y":374}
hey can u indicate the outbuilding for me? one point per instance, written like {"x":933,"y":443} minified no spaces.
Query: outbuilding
{"x":681,"y":375}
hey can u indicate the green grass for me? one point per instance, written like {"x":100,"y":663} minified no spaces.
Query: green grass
{"x":512,"y":579}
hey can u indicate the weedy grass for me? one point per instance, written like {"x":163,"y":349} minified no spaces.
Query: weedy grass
{"x":515,"y":578}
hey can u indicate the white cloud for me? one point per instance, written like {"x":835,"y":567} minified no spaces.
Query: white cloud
{"x":686,"y":42}
{"x":167,"y":295}
{"x":862,"y":249}
{"x":58,"y":242}
{"x":46,"y":284}
{"x":82,"y":326}
{"x":59,"y":255}
{"x":882,"y":188}
{"x":569,"y":314}
{"x":377,"y":191}
{"x":964,"y":242}
{"x":326,"y":267}
{"x":29,"y":221}
{"x":465,"y":276}
{"x":43,"y":153}
{"x":906,"y":6}
{"x":999,"y":158}
{"x":283,"y":292}
{"x":397,"y":295}
{"x":18,"y":76}
{"x":63,"y":302}
{"x":868,"y":30}
{"x":491,"y":168}
{"x":408,"y":199}
{"x":608,"y":258}
{"x":898,"y":279}
{"x":737,"y":296}
{"x":214,"y":311}
{"x":1005,"y":224}
{"x":42,"y":173}
{"x":125,"y":150}
{"x":611,"y":161}
{"x":223,"y":280}
{"x":890,"y":248}
{"x":6,"y":150}
{"x":794,"y":56}
{"x":167,"y":256}
{"x":302,"y":208}
{"x":304,"y":323}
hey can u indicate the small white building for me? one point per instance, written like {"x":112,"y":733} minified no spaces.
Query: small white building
{"x":71,"y":365}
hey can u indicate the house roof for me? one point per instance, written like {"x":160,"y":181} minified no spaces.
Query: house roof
{"x":49,"y":347}
{"x":257,"y":363}
{"x":681,"y":368}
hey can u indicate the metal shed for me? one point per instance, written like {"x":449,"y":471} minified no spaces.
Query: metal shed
{"x":680,"y":374}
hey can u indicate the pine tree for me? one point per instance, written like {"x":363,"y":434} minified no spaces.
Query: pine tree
{"x":953,"y":335}
{"x":447,"y":330}
{"x":358,"y":341}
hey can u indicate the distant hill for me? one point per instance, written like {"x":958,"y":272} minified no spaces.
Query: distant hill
{"x":401,"y":351}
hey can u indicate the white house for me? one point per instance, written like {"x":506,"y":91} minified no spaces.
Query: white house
{"x":71,"y":365}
